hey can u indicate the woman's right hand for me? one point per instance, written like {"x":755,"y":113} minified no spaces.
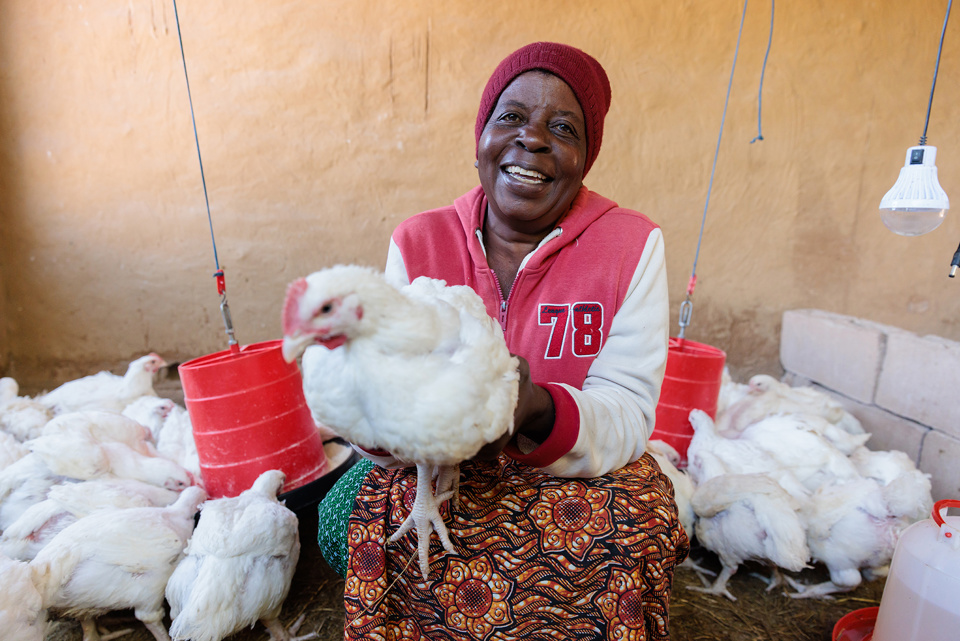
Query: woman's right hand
{"x":535,"y":413}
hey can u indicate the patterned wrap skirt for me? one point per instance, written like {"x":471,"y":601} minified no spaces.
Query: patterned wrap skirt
{"x":537,"y":557}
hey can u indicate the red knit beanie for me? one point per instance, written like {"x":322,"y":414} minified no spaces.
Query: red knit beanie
{"x":579,"y":70}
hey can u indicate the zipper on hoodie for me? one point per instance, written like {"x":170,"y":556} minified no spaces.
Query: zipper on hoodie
{"x":504,"y":304}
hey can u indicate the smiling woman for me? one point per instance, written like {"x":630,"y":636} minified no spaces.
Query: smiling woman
{"x":565,"y":528}
{"x":531,"y":159}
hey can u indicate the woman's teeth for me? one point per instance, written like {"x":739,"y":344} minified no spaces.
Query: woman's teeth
{"x":526,"y":175}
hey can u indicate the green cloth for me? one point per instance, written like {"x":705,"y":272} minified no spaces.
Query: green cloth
{"x":334,"y":515}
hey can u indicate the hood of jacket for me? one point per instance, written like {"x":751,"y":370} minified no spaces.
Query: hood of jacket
{"x":587,"y":206}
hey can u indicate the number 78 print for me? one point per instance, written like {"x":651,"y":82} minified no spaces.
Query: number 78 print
{"x":584,"y":323}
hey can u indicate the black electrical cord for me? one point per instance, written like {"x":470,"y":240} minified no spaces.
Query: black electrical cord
{"x":936,"y":69}
{"x":955,"y":263}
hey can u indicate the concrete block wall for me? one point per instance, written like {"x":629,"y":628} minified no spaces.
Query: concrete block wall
{"x":901,"y":386}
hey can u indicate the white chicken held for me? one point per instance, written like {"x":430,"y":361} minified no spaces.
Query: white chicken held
{"x":423,"y":373}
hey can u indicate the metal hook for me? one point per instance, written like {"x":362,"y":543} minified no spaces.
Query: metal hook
{"x":686,"y":311}
{"x":225,"y":311}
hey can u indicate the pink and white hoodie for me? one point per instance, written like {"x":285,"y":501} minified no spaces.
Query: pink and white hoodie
{"x":589,"y":310}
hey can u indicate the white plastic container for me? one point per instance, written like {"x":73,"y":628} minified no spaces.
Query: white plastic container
{"x":921,"y":598}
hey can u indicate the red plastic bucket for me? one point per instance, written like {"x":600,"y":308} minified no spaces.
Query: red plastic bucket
{"x":856,"y":626}
{"x":692,"y":381}
{"x":249,"y":415}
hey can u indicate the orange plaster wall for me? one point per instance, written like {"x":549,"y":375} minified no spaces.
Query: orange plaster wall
{"x":324,"y":124}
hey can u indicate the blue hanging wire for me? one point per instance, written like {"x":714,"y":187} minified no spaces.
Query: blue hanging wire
{"x":936,"y":69}
{"x":763,"y":70}
{"x":221,"y":281}
{"x":686,"y":307}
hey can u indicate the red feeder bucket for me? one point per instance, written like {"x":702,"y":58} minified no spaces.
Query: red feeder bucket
{"x":249,"y":416}
{"x":856,"y":626}
{"x":692,"y":381}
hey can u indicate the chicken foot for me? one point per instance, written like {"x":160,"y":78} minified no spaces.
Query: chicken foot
{"x":720,"y":585}
{"x":823,"y":590}
{"x":92,"y":633}
{"x":776,"y":578}
{"x":690,"y":564}
{"x":279,"y":633}
{"x":425,"y":516}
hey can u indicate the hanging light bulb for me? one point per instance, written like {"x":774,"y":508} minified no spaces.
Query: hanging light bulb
{"x":916,"y":203}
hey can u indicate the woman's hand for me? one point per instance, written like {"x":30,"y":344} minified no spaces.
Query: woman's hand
{"x":533,"y":416}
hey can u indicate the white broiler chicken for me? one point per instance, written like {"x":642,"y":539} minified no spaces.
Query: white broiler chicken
{"x":68,"y":502}
{"x":9,"y":389}
{"x":24,"y":418}
{"x":96,"y":444}
{"x":106,"y":390}
{"x":116,"y":559}
{"x":791,"y":441}
{"x":176,"y":442}
{"x":10,"y":449}
{"x":767,"y":396}
{"x":913,"y":499}
{"x":668,"y":458}
{"x":21,"y":416}
{"x":77,"y":457}
{"x":744,"y":517}
{"x":151,"y":412}
{"x":423,"y":373}
{"x":709,"y":454}
{"x":22,"y":615}
{"x":730,"y":391}
{"x":172,"y":431}
{"x":102,"y":426}
{"x":238,"y":566}
{"x":853,"y":528}
{"x":24,"y":483}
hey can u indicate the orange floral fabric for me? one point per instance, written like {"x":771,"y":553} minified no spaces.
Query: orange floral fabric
{"x":537,"y":557}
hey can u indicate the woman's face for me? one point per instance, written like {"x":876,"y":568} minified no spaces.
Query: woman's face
{"x":532,"y":152}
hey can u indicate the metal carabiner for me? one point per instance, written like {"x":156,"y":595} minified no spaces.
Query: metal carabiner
{"x":686,"y":311}
{"x":225,"y":311}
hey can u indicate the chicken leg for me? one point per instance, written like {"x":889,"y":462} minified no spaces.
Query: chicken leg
{"x":425,"y":516}
{"x":448,"y":480}
{"x":93,"y":633}
{"x":279,"y":633}
{"x":845,"y":583}
{"x":719,"y":586}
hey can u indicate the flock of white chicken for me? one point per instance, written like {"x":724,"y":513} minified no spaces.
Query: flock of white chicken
{"x":784,"y":478}
{"x":100,"y":487}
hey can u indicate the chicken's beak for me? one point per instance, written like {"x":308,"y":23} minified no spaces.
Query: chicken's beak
{"x":294,"y":345}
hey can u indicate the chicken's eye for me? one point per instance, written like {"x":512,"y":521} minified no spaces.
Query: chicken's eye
{"x":327,"y":308}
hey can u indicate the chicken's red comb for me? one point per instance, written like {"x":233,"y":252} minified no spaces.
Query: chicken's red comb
{"x":291,"y":305}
